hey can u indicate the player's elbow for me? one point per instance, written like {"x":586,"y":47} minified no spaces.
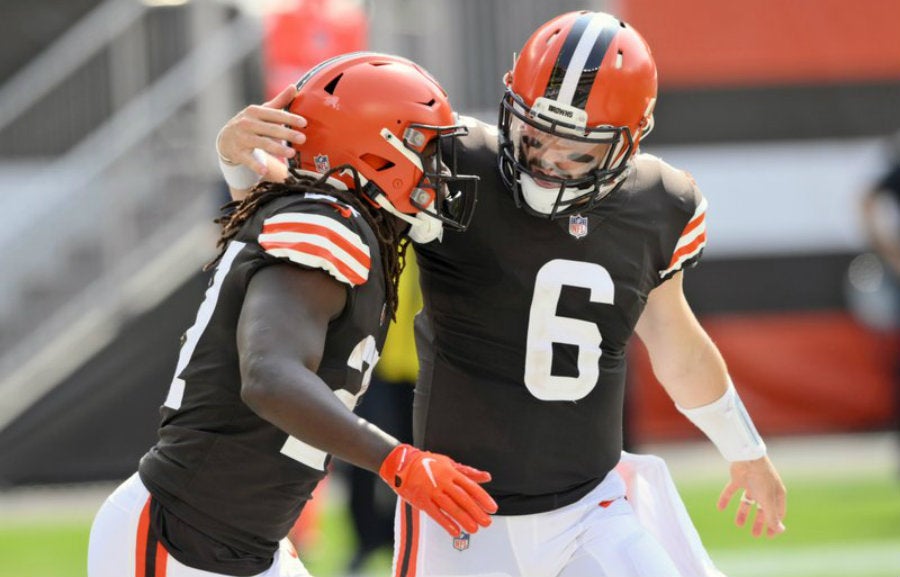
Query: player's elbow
{"x":255,"y":396}
{"x":258,"y":390}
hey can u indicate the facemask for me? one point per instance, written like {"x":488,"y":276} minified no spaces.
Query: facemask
{"x":542,"y":200}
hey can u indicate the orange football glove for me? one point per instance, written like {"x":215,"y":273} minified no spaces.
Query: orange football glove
{"x":436,"y":484}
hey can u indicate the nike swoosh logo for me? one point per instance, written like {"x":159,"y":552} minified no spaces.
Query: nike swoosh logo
{"x":426,"y":463}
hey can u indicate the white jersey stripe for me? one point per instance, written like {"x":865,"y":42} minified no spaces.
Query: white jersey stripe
{"x":693,"y":241}
{"x":314,"y":261}
{"x":689,"y":237}
{"x":582,"y":51}
{"x":697,"y":230}
{"x":701,"y":208}
{"x":362,"y":269}
{"x":319,"y":220}
{"x":682,"y":259}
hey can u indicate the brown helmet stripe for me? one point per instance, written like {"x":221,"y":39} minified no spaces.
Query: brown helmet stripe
{"x":580,"y":58}
{"x":565,"y":56}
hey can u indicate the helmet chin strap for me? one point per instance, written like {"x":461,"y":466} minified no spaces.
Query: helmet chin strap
{"x":423,"y":228}
{"x":401,"y":148}
{"x":543,"y":200}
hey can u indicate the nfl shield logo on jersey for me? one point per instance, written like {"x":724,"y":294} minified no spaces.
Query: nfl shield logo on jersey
{"x":323,"y":165}
{"x":578,"y":225}
{"x":461,"y":543}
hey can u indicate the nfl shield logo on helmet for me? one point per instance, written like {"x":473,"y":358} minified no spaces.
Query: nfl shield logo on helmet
{"x":578,"y":225}
{"x":323,"y":165}
{"x":461,"y":543}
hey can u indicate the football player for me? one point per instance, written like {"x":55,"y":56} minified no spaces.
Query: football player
{"x":579,"y":242}
{"x":287,"y":336}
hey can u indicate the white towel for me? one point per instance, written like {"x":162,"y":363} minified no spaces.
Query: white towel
{"x":652,"y":493}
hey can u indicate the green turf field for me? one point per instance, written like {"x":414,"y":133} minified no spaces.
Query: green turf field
{"x":836,"y":527}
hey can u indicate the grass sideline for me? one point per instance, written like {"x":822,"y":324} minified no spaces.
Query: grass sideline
{"x":833,"y":523}
{"x":836,"y":526}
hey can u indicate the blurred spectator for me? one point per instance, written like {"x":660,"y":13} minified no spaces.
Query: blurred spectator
{"x":881,"y":212}
{"x":303,"y":33}
{"x":881,"y":219}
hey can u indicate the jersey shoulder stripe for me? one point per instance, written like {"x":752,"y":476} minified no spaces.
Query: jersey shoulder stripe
{"x":317,"y":241}
{"x":691,"y":242}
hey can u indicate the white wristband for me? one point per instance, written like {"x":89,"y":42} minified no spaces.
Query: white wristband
{"x":238,"y":176}
{"x":726,"y":422}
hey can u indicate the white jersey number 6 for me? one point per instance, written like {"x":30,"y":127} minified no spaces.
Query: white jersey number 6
{"x":545,"y":328}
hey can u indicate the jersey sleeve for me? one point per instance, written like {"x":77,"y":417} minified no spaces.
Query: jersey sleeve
{"x":318,"y":236}
{"x":692,"y":240}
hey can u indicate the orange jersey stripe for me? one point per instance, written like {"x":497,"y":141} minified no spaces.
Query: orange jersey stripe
{"x":688,"y":248}
{"x":141,"y":542}
{"x":306,"y":248}
{"x":694,"y":224}
{"x":305,"y":228}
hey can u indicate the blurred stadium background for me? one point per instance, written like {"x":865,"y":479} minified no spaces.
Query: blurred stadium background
{"x":781,"y":109}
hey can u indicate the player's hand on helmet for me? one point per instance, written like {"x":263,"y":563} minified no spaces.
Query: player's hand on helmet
{"x":264,"y":126}
{"x":444,"y":489}
{"x":760,"y":488}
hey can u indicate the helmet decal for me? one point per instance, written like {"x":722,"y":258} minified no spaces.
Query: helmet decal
{"x":579,"y":59}
{"x":323,"y":165}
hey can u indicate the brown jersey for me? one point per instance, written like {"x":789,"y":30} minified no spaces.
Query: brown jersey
{"x":523,"y":333}
{"x":227,"y":485}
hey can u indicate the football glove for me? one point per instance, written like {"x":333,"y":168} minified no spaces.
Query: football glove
{"x":445,"y":490}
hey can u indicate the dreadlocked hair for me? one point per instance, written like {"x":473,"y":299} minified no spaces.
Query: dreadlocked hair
{"x":392,"y":243}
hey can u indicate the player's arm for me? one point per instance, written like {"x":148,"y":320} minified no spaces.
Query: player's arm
{"x":253,"y":140}
{"x":693,"y":373}
{"x":280,"y":337}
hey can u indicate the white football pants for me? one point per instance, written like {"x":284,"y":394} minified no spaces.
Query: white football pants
{"x":119,"y":542}
{"x":599,"y":536}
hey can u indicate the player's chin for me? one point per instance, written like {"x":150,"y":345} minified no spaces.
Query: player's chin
{"x":549,"y":184}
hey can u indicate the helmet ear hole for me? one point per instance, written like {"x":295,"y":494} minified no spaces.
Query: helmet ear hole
{"x":377,"y":163}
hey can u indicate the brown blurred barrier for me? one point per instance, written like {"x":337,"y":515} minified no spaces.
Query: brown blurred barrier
{"x":768,"y":42}
{"x":798,"y":373}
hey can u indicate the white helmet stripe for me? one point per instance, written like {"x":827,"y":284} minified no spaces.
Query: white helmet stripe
{"x":402,"y":148}
{"x":583,"y":49}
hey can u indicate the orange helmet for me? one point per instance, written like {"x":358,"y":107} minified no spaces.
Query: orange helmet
{"x":584,"y":86}
{"x":375,"y":123}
